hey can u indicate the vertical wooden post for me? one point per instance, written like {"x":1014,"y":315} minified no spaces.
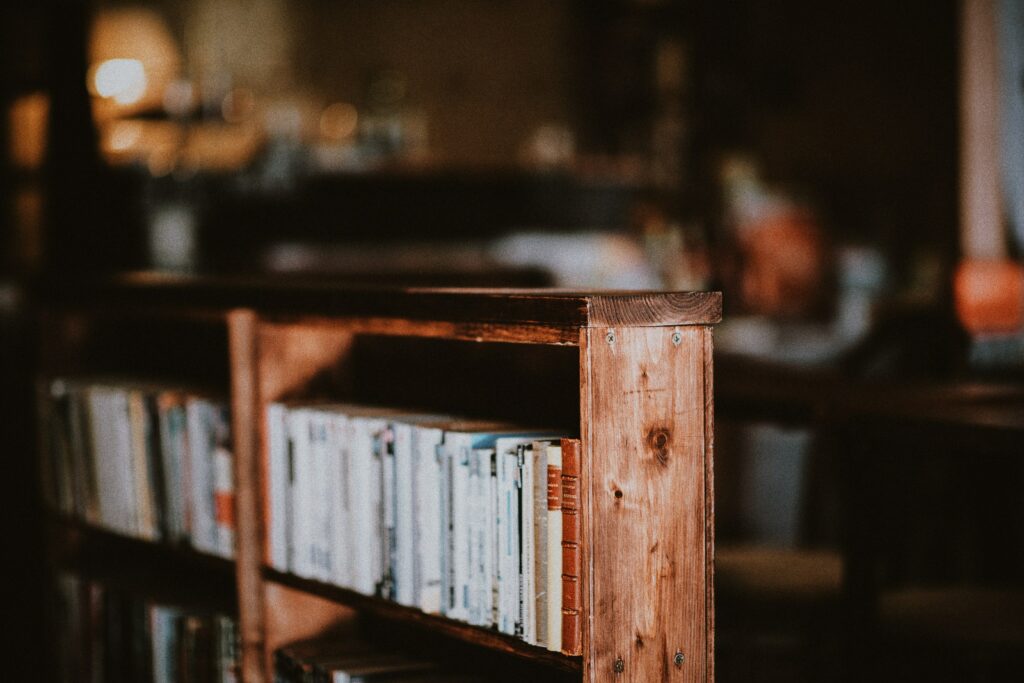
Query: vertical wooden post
{"x":645,"y":423}
{"x":242,"y":348}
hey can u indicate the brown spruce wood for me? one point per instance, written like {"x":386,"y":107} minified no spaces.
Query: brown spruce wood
{"x":644,"y":400}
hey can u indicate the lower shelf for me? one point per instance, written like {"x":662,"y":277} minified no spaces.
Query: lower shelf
{"x":165,"y":573}
{"x":386,"y":610}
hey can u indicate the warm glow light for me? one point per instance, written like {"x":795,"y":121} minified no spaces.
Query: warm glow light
{"x":123,"y":80}
{"x":124,"y":135}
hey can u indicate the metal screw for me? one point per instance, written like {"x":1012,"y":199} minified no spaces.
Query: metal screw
{"x":620,"y":665}
{"x":610,"y":337}
{"x":679,"y":659}
{"x":677,"y":338}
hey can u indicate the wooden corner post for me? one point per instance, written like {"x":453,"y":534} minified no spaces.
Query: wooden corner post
{"x":647,"y":490}
{"x":242,"y":348}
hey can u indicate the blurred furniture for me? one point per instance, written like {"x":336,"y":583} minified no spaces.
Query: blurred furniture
{"x":932,"y":479}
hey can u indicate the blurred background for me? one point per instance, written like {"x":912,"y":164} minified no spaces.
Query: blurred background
{"x":850,"y":175}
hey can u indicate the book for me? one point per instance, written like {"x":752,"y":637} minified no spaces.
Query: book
{"x":277,"y":482}
{"x":572,"y":560}
{"x":114,"y":635}
{"x":404,"y":498}
{"x":538,"y":455}
{"x":427,"y":532}
{"x":107,"y":410}
{"x":553,"y":575}
{"x":173,"y":444}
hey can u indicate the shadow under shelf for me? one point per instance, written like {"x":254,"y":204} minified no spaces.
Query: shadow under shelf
{"x":165,"y":573}
{"x":393,"y":613}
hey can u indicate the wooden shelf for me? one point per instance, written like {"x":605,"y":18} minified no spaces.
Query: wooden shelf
{"x":177,"y":575}
{"x":391,"y":611}
{"x":629,"y":372}
{"x":294,"y":297}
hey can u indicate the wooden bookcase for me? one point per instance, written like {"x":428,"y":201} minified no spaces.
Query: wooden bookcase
{"x":630,"y":372}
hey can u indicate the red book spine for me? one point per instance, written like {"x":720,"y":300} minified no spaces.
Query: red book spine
{"x":572,"y":557}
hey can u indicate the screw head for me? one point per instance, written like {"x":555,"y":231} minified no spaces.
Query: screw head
{"x":679,"y":659}
{"x":677,"y":338}
{"x":610,"y":337}
{"x":620,"y":665}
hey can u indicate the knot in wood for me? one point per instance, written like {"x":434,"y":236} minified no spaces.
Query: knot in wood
{"x":619,"y":666}
{"x":658,"y":439}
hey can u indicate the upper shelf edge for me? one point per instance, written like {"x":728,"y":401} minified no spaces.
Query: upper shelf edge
{"x":292,"y":296}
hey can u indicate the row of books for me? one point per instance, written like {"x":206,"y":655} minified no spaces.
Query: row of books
{"x":350,"y":661}
{"x":152,"y":462}
{"x":108,"y":635}
{"x":476,"y":521}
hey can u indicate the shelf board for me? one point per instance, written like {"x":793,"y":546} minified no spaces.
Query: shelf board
{"x":391,"y":611}
{"x":177,"y":575}
{"x":544,"y":308}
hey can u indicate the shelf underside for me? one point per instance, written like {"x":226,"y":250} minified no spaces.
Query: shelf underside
{"x":388,"y":611}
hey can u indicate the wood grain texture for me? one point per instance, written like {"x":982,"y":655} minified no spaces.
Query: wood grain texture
{"x":656,"y":308}
{"x":244,"y":409}
{"x":707,"y":334}
{"x":544,"y":307}
{"x":644,"y":408}
{"x":514,"y":333}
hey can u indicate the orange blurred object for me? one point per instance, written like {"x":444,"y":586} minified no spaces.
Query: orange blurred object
{"x":990,"y":296}
{"x":784,"y":264}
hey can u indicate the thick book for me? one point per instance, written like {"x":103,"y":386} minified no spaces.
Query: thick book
{"x":572,"y":559}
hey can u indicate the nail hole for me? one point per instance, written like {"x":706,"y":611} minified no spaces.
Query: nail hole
{"x":618,"y":493}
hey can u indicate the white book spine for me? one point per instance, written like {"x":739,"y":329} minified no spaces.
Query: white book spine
{"x":201,"y":445}
{"x":527,"y":584}
{"x":277,"y":487}
{"x":508,"y":551}
{"x":427,"y":519}
{"x":320,"y":508}
{"x":460,"y":532}
{"x":474,"y":606}
{"x":111,"y":448}
{"x":494,"y":537}
{"x":298,"y":427}
{"x":342,"y":549}
{"x":130,"y":477}
{"x":404,"y":555}
{"x":539,"y":568}
{"x":388,"y":512}
{"x":554,"y":550}
{"x":365,"y":490}
{"x":482,"y":538}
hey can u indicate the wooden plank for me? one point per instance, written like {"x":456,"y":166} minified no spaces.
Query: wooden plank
{"x":392,"y":611}
{"x":249,"y":532}
{"x":644,"y":400}
{"x":478,"y":332}
{"x":707,"y":334}
{"x":656,"y":308}
{"x":541,"y":307}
